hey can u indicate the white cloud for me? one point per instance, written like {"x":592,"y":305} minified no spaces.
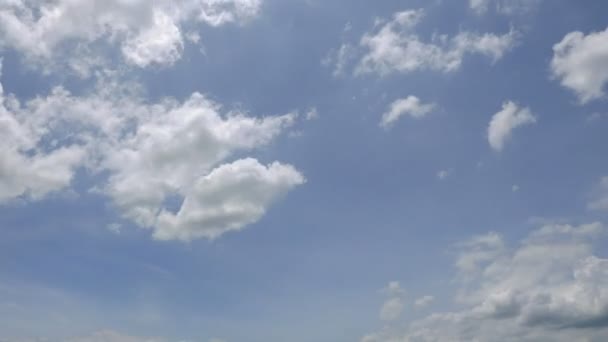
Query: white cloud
{"x":505,"y":7}
{"x":161,"y":43}
{"x":505,"y":121}
{"x":580,"y":63}
{"x":312,"y":114}
{"x":391,"y":309}
{"x":80,"y":31}
{"x":396,"y":47}
{"x":27,"y":169}
{"x":151,"y":153}
{"x":424,"y":301}
{"x":515,"y":188}
{"x":600,"y":196}
{"x":443,"y":174}
{"x":393,"y":306}
{"x":550,"y":287}
{"x":411,"y":106}
{"x":229,"y":198}
{"x":113,"y":336}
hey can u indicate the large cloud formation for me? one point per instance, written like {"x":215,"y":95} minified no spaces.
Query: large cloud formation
{"x":550,"y":287}
{"x":146,"y":154}
{"x":146,"y":32}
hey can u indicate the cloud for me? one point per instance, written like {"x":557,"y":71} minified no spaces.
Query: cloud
{"x":80,"y":31}
{"x":229,"y":198}
{"x":395,"y":47}
{"x":113,"y":336}
{"x":443,"y":174}
{"x":391,"y":309}
{"x":393,"y":306}
{"x":145,"y":156}
{"x":312,"y":114}
{"x":600,"y":196}
{"x":424,"y":301}
{"x":580,"y":63}
{"x":549,"y":287}
{"x":505,"y":121}
{"x":504,"y":7}
{"x":411,"y":106}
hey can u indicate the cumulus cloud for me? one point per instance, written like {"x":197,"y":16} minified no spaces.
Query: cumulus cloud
{"x":395,"y":47}
{"x":550,"y":287}
{"x":600,"y":196}
{"x":147,"y":32}
{"x":146,"y":155}
{"x":410,"y":106}
{"x":580,"y":63}
{"x":229,"y":198}
{"x":505,"y":121}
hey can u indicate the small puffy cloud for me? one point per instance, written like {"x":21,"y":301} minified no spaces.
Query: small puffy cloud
{"x":549,"y":287}
{"x":505,"y":121}
{"x":580,"y":63}
{"x":600,"y":196}
{"x":80,"y":32}
{"x":395,"y":47}
{"x":424,"y":301}
{"x":409,"y":106}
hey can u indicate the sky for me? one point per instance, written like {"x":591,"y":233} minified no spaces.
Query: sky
{"x":303,"y":170}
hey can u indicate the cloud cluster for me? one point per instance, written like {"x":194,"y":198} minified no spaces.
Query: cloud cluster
{"x":395,"y":47}
{"x":147,"y":155}
{"x":146,"y":32}
{"x":550,"y":287}
{"x":505,"y":121}
{"x":580,"y":63}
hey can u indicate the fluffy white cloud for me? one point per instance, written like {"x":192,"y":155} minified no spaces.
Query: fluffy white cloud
{"x":411,"y":106}
{"x":600,"y":196}
{"x":148,"y":32}
{"x":396,"y":47}
{"x":580,"y":62}
{"x":229,"y":198}
{"x":151,"y":154}
{"x":505,"y":121}
{"x":551,"y":287}
{"x":26,"y":168}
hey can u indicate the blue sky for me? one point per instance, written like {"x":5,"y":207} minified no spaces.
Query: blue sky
{"x":265,"y":170}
